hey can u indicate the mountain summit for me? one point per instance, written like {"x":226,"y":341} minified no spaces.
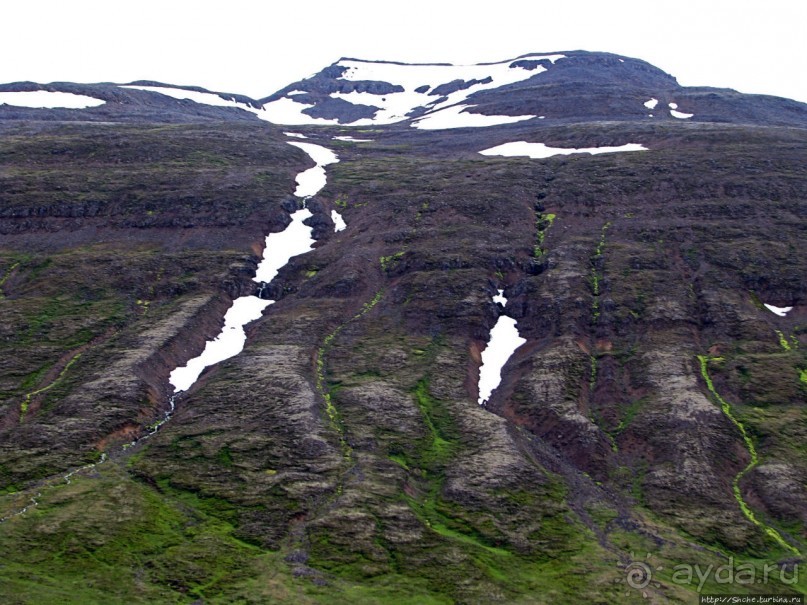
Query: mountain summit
{"x":574,"y":85}
{"x":522,"y":332}
{"x":567,"y":86}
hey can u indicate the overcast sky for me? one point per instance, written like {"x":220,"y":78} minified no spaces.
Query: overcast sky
{"x":256,"y":47}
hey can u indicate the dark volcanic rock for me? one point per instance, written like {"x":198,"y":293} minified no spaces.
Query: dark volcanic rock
{"x":449,"y":87}
{"x":341,"y":110}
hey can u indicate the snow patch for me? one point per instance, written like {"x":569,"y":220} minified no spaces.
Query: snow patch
{"x":280,"y":247}
{"x":45,"y":99}
{"x":228,"y":343}
{"x":457,"y":117}
{"x":395,"y":107}
{"x":311,"y":181}
{"x":500,"y":299}
{"x":444,"y":111}
{"x":339,"y":223}
{"x":504,"y":340}
{"x":651,"y":103}
{"x":680,"y":115}
{"x":283,"y":111}
{"x":294,"y":240}
{"x":780,"y":311}
{"x":204,"y":98}
{"x":296,"y":135}
{"x":289,"y":113}
{"x":352,"y":140}
{"x":540,"y":150}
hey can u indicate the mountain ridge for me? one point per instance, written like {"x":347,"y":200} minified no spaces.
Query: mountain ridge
{"x":580,"y":74}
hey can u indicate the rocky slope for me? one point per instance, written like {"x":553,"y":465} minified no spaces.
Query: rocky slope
{"x":657,"y":407}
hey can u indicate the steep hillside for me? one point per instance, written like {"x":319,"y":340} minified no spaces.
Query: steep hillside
{"x":653,"y":415}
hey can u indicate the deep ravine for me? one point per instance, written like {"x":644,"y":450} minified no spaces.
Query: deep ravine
{"x":280,"y":247}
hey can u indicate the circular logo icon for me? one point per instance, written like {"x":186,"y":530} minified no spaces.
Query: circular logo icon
{"x":638,"y":575}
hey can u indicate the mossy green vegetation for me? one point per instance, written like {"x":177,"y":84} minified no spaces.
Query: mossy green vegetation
{"x":109,"y":539}
{"x":388,"y":262}
{"x":754,"y":458}
{"x":29,"y":396}
{"x":756,"y":301}
{"x":484,"y":560}
{"x":325,"y":390}
{"x":442,"y":433}
{"x":6,"y":275}
{"x":782,"y":340}
{"x":543,"y":221}
{"x":112,"y":540}
{"x":629,"y":413}
{"x":592,"y":374}
{"x":596,"y":273}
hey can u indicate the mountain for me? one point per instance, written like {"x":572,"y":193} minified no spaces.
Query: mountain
{"x":572,"y":86}
{"x":523,"y":332}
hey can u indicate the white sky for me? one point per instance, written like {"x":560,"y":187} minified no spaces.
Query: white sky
{"x":255,"y":47}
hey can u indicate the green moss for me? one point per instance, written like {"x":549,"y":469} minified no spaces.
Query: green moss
{"x":542,"y":223}
{"x":387,"y":262}
{"x":602,"y":514}
{"x":436,"y":450}
{"x":399,"y":459}
{"x":113,"y":541}
{"x":782,"y":340}
{"x":755,"y":300}
{"x":35,"y":377}
{"x":441,"y":428}
{"x":595,"y":274}
{"x":326,"y":391}
{"x":224,"y":456}
{"x":592,"y":375}
{"x":601,"y":246}
{"x":749,"y":444}
{"x":29,"y":396}
{"x":594,"y":282}
{"x":439,"y":525}
{"x":5,"y":277}
{"x":630,"y":413}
